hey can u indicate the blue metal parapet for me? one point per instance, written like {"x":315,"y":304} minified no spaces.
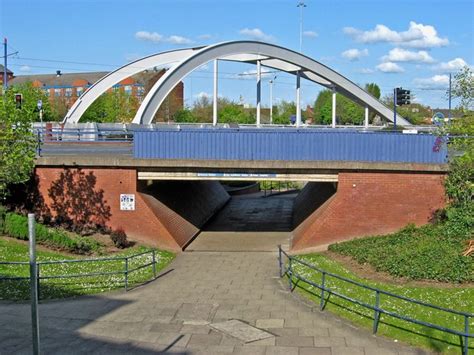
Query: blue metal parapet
{"x":287,"y":144}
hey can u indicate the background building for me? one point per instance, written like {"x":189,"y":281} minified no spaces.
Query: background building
{"x":63,"y":89}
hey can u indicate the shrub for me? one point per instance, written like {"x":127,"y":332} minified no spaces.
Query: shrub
{"x":119,"y":237}
{"x":16,"y":226}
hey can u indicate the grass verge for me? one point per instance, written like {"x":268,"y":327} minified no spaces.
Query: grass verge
{"x":458,"y":298}
{"x":12,"y":250}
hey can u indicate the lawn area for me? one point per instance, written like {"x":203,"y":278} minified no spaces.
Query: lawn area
{"x":455,"y":297}
{"x":430,"y":252}
{"x":14,"y":250}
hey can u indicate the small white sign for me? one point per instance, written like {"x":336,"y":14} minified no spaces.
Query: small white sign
{"x":127,"y":202}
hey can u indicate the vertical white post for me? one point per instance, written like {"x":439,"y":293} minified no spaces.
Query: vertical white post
{"x":298,"y":99}
{"x":214,"y":106}
{"x":333,"y":107}
{"x":271,"y":101}
{"x":366,"y":121}
{"x":259,"y":90}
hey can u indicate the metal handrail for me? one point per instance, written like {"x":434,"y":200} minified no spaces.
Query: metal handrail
{"x":126,"y":271}
{"x":378,"y":310}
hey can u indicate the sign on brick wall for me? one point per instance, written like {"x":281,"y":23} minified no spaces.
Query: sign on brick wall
{"x":127,"y":202}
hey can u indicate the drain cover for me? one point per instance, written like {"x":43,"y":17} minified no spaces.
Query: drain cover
{"x":241,"y":330}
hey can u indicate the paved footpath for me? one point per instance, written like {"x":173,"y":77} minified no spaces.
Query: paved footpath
{"x":172,"y":313}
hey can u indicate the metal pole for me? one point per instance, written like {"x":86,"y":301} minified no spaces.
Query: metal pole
{"x":323,"y":285}
{"x":271,"y":101}
{"x":154,"y":264}
{"x":214,"y":106}
{"x":376,"y":312}
{"x":466,"y":335}
{"x":449,"y":112}
{"x":5,"y":75}
{"x":280,"y":262}
{"x":366,"y":122}
{"x":259,"y":88}
{"x":126,"y":274}
{"x":394,"y":108}
{"x":301,"y":5}
{"x":333,"y":107}
{"x":298,"y":99}
{"x":33,"y":285}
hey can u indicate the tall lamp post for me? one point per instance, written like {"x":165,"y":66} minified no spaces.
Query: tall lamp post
{"x":301,"y":5}
{"x":271,"y":98}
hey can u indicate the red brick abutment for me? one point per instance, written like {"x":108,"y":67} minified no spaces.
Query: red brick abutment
{"x":363,"y":199}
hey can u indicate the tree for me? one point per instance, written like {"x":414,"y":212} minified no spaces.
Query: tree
{"x":283,"y":112}
{"x":17,"y":139}
{"x":184,"y":116}
{"x":323,"y":107}
{"x":463,"y":88}
{"x":113,"y":106}
{"x":235,"y":113}
{"x":373,"y":89}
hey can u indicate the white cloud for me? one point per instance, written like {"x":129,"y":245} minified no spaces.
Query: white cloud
{"x":256,"y":33}
{"x":366,"y":71}
{"x":389,"y":67}
{"x":149,"y":36}
{"x":310,"y":34}
{"x":203,"y":94}
{"x":452,"y":65}
{"x":355,"y":54}
{"x":174,"y":39}
{"x":159,"y":38}
{"x":404,"y":55}
{"x":25,"y":68}
{"x":435,"y":82}
{"x":417,"y":36}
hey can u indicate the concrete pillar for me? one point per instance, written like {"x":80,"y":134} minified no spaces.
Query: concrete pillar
{"x":214,"y":98}
{"x":298,"y":99}
{"x":259,"y":90}
{"x":333,"y":107}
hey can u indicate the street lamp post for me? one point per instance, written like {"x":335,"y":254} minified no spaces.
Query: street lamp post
{"x":301,"y":5}
{"x":271,"y":98}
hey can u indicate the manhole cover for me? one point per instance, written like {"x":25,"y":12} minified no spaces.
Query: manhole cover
{"x":241,"y":330}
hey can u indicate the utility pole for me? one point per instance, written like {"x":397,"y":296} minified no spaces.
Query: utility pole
{"x":5,"y":63}
{"x":301,"y":5}
{"x":5,"y":74}
{"x":449,"y":108}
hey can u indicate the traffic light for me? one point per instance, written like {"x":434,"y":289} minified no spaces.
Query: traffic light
{"x":403,"y":96}
{"x":18,"y":100}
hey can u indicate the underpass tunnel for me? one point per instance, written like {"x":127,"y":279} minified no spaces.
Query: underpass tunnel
{"x":210,"y":215}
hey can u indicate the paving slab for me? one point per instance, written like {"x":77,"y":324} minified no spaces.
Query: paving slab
{"x":241,"y":330}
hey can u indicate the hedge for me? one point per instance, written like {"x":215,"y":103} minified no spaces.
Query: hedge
{"x":16,"y":226}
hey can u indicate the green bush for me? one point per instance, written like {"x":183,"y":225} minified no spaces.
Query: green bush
{"x":431,"y":252}
{"x":16,"y":226}
{"x":119,"y":237}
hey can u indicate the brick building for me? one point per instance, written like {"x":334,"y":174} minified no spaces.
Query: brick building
{"x":66,"y":88}
{"x":9,"y":74}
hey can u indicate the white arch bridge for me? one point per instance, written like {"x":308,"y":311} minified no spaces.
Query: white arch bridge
{"x":183,"y":61}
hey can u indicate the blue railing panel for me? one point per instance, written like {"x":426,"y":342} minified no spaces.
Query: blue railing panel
{"x":289,"y":144}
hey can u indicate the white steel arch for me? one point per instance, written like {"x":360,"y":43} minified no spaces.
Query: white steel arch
{"x":269,"y":55}
{"x":116,"y":76}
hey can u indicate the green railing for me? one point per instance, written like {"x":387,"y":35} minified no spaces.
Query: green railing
{"x":288,"y":269}
{"x":127,"y":265}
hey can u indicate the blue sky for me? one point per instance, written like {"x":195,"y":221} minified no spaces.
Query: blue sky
{"x":413,"y":44}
